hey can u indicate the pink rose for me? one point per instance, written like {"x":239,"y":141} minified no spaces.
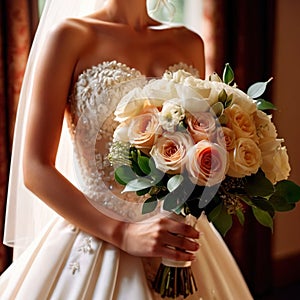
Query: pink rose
{"x":169,"y":151}
{"x":207,"y":163}
{"x":201,"y":126}
{"x":144,"y":129}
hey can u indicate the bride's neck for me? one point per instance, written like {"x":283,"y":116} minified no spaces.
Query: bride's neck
{"x":130,"y":12}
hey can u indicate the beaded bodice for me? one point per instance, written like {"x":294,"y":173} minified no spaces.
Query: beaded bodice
{"x":93,"y":100}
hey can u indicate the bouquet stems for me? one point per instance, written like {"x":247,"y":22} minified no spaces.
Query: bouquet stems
{"x":174,"y":281}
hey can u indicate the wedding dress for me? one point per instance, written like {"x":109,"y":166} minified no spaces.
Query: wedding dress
{"x":64,"y":263}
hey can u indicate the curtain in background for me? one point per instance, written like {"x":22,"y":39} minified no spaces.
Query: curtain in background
{"x":18,"y":19}
{"x":241,"y":33}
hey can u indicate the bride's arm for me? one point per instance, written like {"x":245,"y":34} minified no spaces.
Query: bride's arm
{"x":48,"y":102}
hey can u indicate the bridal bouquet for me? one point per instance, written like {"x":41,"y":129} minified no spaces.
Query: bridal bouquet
{"x":189,"y":145}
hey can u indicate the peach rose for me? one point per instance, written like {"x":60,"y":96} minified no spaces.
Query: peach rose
{"x":169,"y":151}
{"x":201,"y":126}
{"x":144,"y":129}
{"x":207,"y":163}
{"x":245,"y":159}
{"x":240,"y":122}
{"x":225,"y":137}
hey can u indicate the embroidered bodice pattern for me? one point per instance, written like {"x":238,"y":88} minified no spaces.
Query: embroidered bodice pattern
{"x":95,"y":96}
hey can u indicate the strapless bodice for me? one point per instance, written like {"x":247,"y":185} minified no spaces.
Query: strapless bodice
{"x":93,"y":101}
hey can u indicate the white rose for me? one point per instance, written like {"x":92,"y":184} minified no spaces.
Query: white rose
{"x":170,"y":115}
{"x":245,"y":159}
{"x":176,"y":77}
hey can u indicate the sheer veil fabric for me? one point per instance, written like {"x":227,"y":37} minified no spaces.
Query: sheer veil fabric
{"x":26,"y":215}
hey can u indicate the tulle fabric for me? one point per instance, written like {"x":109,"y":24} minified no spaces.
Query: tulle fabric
{"x":26,"y":215}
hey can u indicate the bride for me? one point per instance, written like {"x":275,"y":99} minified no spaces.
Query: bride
{"x":67,"y":249}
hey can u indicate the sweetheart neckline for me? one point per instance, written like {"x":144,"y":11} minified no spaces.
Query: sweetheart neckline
{"x":116,"y":62}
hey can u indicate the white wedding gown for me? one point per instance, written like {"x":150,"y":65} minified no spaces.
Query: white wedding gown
{"x":64,"y":263}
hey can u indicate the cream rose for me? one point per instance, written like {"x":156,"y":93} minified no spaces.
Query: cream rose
{"x":207,"y":163}
{"x":169,"y":152}
{"x":144,"y":129}
{"x":275,"y":160}
{"x":241,"y":122}
{"x":245,"y":159}
{"x":201,"y":126}
{"x":264,"y":126}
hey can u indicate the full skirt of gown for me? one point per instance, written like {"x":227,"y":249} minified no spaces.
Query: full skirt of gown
{"x":65,"y":263}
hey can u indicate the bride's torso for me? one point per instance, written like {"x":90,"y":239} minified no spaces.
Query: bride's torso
{"x":92,"y":103}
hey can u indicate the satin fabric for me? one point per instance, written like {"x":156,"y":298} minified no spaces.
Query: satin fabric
{"x":64,"y":263}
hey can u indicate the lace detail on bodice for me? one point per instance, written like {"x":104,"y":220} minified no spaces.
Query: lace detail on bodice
{"x":93,"y":101}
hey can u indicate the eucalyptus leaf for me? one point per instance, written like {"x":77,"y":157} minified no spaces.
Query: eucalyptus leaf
{"x":222,"y":97}
{"x":124,"y":174}
{"x":156,"y":174}
{"x":257,"y":89}
{"x":172,"y":201}
{"x":174,"y":182}
{"x":262,"y":104}
{"x":228,"y":75}
{"x":263,"y":217}
{"x":137,"y":184}
{"x":149,"y":205}
{"x":143,"y":163}
{"x":217,"y":109}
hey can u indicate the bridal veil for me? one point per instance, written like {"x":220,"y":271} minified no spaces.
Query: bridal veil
{"x":26,"y":215}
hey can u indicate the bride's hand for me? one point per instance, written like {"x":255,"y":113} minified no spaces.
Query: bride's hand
{"x":161,"y":238}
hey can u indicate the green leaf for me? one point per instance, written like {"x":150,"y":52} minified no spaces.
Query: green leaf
{"x":137,"y":184}
{"x":143,"y":163}
{"x":124,"y":174}
{"x":213,"y":215}
{"x":262,"y":104}
{"x":228,"y":75}
{"x":217,"y":109}
{"x":155,"y":173}
{"x":257,"y":89}
{"x":149,"y":205}
{"x":222,"y":97}
{"x":263,"y":204}
{"x":240,"y":215}
{"x":143,"y":192}
{"x":174,"y":182}
{"x":263,"y":217}
{"x":223,"y":222}
{"x":258,"y":185}
{"x":280,"y":203}
{"x":289,"y":190}
{"x":172,"y":201}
